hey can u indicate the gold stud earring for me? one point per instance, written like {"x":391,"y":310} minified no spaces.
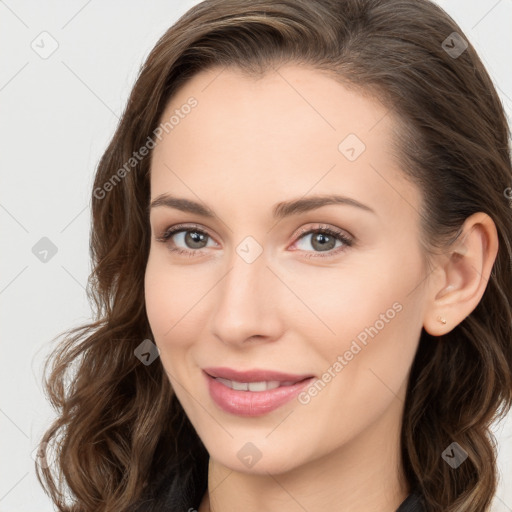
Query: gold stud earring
{"x":442,"y":320}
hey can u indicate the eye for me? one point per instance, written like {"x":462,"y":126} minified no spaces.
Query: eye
{"x":190,"y":236}
{"x":323,"y":239}
{"x":192,"y":239}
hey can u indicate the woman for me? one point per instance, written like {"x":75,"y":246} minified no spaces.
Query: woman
{"x":302,"y":271}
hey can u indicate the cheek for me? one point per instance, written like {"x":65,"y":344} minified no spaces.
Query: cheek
{"x":175,"y":301}
{"x":164,"y":295}
{"x":158,"y":297}
{"x":338,"y":305}
{"x":365,"y":365}
{"x":371,"y":314}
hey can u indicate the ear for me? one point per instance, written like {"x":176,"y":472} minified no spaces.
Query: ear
{"x":460,"y":277}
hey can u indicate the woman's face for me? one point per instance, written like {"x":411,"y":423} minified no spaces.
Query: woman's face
{"x":257,"y":291}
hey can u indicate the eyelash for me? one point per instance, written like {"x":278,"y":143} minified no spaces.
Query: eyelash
{"x":338,"y":235}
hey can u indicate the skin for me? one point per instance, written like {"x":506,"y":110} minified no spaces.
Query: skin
{"x":248,"y":145}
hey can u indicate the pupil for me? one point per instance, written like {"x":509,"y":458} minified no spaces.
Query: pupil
{"x":194,"y":237}
{"x":323,"y":240}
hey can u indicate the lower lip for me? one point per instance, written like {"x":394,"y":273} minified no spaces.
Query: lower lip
{"x":252,"y":403}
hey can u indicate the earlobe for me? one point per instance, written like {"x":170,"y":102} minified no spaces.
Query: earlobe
{"x":461,"y":276}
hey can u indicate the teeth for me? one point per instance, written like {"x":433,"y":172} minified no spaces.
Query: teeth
{"x":239,"y":386}
{"x":253,"y":386}
{"x":263,"y":386}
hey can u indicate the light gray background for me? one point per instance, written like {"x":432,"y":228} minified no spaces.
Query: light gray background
{"x":58,"y":115}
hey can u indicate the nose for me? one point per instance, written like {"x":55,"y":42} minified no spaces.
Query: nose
{"x":248,"y":303}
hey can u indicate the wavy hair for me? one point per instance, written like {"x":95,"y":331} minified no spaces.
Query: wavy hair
{"x":121,"y":440}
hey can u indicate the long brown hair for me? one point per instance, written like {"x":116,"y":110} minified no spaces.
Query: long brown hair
{"x":122,"y":440}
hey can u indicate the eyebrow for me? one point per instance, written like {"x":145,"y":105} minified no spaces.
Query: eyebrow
{"x":279,"y":211}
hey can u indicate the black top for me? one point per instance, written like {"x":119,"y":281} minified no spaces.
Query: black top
{"x":413,"y":503}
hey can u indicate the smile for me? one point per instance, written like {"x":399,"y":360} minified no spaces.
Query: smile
{"x":252,"y":398}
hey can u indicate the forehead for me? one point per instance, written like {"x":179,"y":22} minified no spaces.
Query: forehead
{"x":282,"y":105}
{"x":293,"y":130}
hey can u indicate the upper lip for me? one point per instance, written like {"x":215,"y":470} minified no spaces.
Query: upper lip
{"x":256,"y":375}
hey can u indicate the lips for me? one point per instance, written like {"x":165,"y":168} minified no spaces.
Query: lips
{"x":256,"y":375}
{"x":237,"y":397}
